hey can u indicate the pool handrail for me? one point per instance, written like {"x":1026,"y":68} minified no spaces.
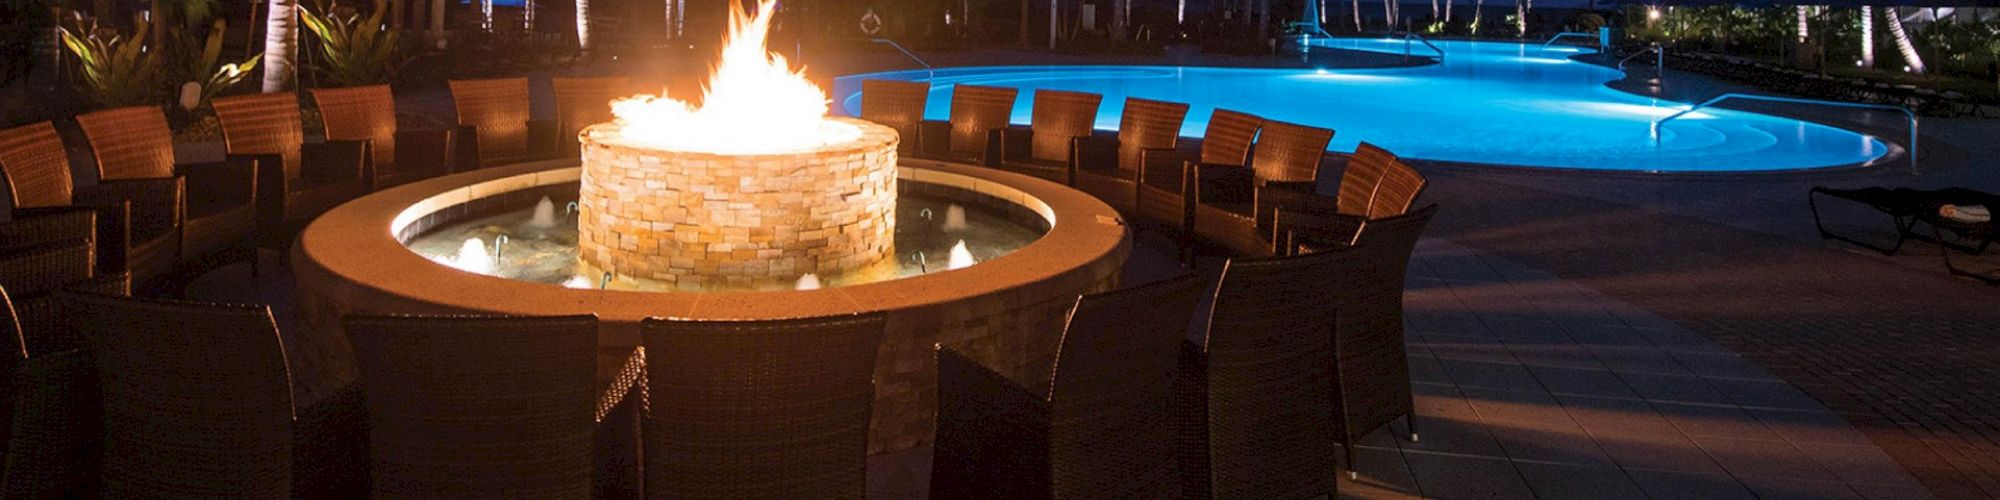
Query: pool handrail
{"x":1411,"y":35}
{"x":1567,"y":34}
{"x":1659,"y":59}
{"x":1911,"y":115}
{"x":911,"y":55}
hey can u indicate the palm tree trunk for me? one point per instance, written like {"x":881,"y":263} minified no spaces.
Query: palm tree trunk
{"x":1119,"y":10}
{"x":1389,"y":14}
{"x":1447,"y":10}
{"x":1894,"y":17}
{"x":1357,"y":16}
{"x":1477,"y":7}
{"x":583,"y":24}
{"x":1026,"y":12}
{"x":1805,"y":30}
{"x":1263,"y":19}
{"x":281,"y":46}
{"x":1867,"y":37}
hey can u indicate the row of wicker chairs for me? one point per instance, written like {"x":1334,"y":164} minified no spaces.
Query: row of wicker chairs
{"x":1304,"y":342}
{"x":1229,"y":192}
{"x":165,"y":221}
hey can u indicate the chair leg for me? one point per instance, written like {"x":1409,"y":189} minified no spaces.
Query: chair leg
{"x":1348,"y":447}
{"x":1410,"y":421}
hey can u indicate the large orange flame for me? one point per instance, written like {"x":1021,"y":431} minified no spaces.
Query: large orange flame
{"x":753,"y":102}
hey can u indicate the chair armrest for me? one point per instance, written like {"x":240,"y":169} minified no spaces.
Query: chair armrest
{"x":1223,"y":183}
{"x":30,"y":270}
{"x":991,"y":433}
{"x":1016,"y":143}
{"x":615,"y":444}
{"x":1163,"y":167}
{"x":933,"y":138}
{"x":274,"y":188}
{"x":422,"y":150}
{"x":234,"y":179}
{"x":328,"y":438}
{"x":40,"y":226}
{"x":466,"y":156}
{"x":158,"y":205}
{"x":1094,"y":152}
{"x":336,"y":160}
{"x":1321,"y":229}
{"x":545,"y":139}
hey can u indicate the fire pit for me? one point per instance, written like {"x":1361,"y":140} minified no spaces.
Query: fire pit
{"x":696,"y":220}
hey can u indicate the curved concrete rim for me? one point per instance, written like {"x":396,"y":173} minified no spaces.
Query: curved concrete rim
{"x":353,"y":244}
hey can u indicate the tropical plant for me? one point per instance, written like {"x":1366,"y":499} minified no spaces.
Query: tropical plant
{"x":205,"y":71}
{"x":354,"y":51}
{"x":119,"y":71}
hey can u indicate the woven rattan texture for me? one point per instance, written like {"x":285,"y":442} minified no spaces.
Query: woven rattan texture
{"x":759,"y":409}
{"x":1148,"y":124}
{"x":896,"y":104}
{"x":263,"y":124}
{"x":1228,"y":137}
{"x":478,"y":407}
{"x":36,"y":166}
{"x":976,"y":109}
{"x":1269,"y":363}
{"x":197,"y":399}
{"x":582,"y":102}
{"x":1289,"y":152}
{"x":1058,"y":117}
{"x":360,"y":114}
{"x":497,"y":109}
{"x":129,"y":143}
{"x":1364,"y":173}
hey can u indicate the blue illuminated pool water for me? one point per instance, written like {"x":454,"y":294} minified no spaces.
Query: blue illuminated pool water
{"x":1486,"y":102}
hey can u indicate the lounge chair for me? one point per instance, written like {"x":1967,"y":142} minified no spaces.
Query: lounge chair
{"x":138,"y":220}
{"x":582,"y":102}
{"x":220,"y":213}
{"x":1234,"y":206}
{"x":494,"y":125}
{"x":978,"y":113}
{"x":296,"y":181}
{"x":899,"y":105}
{"x":1163,"y":199}
{"x":1108,"y":167}
{"x":1907,"y":207}
{"x":1376,"y":185}
{"x":397,"y":156}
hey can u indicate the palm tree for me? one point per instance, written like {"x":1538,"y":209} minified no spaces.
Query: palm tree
{"x":1895,"y":19}
{"x":281,"y":46}
{"x":1804,"y":29}
{"x":1357,"y":16}
{"x":583,"y":24}
{"x":1867,"y":37}
{"x":1119,"y":10}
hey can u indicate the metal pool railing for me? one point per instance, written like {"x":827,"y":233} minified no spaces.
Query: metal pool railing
{"x":1910,"y":115}
{"x":906,"y":52}
{"x":1409,"y":36}
{"x":1659,"y":59}
{"x":1567,"y":34}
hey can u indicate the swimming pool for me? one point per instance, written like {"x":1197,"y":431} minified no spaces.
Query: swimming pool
{"x":1485,"y":102}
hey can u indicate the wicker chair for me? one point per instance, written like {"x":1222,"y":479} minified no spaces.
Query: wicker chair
{"x":52,"y":427}
{"x":1253,"y":395}
{"x":1046,"y":148}
{"x":759,"y":409}
{"x":1095,"y":430}
{"x":197,"y":398}
{"x":582,"y":102}
{"x":1108,"y":167}
{"x":899,"y":105}
{"x":494,"y":126}
{"x":220,"y":213}
{"x":138,"y":221}
{"x":1163,"y":201}
{"x":1234,"y":206}
{"x":41,"y":253}
{"x":978,"y":113}
{"x":295,"y":181}
{"x":1376,"y":185}
{"x":397,"y":156}
{"x":1372,"y":369}
{"x":40,"y":319}
{"x":478,"y":407}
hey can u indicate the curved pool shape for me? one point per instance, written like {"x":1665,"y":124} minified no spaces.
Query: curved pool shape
{"x":1485,"y":102}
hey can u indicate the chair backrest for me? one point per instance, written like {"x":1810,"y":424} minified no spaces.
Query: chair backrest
{"x":197,"y":397}
{"x":759,"y":409}
{"x":1398,"y":189}
{"x":47,"y":325}
{"x":15,"y":348}
{"x":1148,"y":124}
{"x":473,"y":407}
{"x":896,"y":104}
{"x":52,"y":427}
{"x":1112,"y":393}
{"x":1365,"y":169}
{"x":1289,"y":152}
{"x":361,"y":114}
{"x":582,"y":102}
{"x":263,"y":124}
{"x":1228,"y":137}
{"x":36,"y":166}
{"x":129,"y":143}
{"x":1368,"y":341}
{"x":1058,"y":117}
{"x":1270,"y":361}
{"x":497,"y":109}
{"x":976,"y":109}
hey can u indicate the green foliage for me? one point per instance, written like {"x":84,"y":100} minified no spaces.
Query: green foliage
{"x":354,"y":51}
{"x":119,"y":71}
{"x":221,"y":76}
